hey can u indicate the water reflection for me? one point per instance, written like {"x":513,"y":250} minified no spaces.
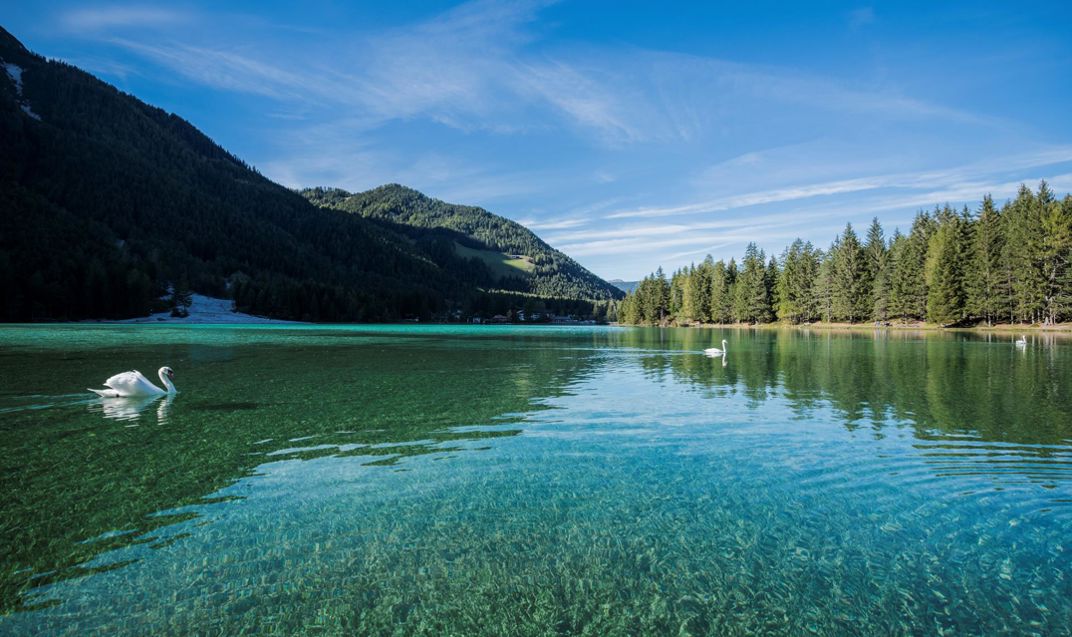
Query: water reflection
{"x":946,"y":383}
{"x":131,"y":408}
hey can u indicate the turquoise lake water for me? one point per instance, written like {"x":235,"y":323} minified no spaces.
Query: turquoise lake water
{"x":535,"y":481}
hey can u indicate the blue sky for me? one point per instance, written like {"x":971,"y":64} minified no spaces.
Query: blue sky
{"x":628,"y":134}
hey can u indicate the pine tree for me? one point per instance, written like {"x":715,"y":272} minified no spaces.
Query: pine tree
{"x":181,"y":298}
{"x":944,"y":269}
{"x":849,"y":297}
{"x":893,"y":256}
{"x":824,"y":284}
{"x":721,"y":306}
{"x":770,"y":282}
{"x":677,"y":301}
{"x":908,"y":289}
{"x":703,"y":278}
{"x":1055,"y":246}
{"x":629,"y":310}
{"x":984,"y":279}
{"x":795,"y":288}
{"x":876,"y":253}
{"x":752,"y":303}
{"x":697,"y":291}
{"x":1021,"y":256}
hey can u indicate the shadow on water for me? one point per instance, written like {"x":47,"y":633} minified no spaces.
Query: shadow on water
{"x":85,"y":476}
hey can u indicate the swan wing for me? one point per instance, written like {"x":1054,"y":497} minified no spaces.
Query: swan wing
{"x":132,"y":383}
{"x":104,"y":393}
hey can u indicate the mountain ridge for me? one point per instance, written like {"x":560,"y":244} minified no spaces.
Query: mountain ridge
{"x":554,"y":273}
{"x":109,"y":201}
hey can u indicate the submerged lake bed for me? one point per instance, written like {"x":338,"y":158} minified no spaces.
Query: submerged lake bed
{"x":535,"y":480}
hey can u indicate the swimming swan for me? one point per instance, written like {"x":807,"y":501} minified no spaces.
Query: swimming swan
{"x":714,"y":351}
{"x":1022,"y":342}
{"x":132,"y":383}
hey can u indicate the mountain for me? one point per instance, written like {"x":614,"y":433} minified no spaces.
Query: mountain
{"x":624,"y":286}
{"x":107,"y":201}
{"x":522,"y":261}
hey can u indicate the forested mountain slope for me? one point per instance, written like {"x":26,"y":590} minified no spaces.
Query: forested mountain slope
{"x":105,"y":201}
{"x":552,"y":272}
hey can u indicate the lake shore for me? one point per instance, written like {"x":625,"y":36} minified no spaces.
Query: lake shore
{"x":917,"y":326}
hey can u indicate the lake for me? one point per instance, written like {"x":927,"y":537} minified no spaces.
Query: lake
{"x":509,"y":480}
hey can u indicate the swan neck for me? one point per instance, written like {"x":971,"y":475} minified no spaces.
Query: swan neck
{"x":167,"y":383}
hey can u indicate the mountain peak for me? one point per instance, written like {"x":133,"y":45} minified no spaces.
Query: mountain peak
{"x":553,"y":274}
{"x":11,"y":49}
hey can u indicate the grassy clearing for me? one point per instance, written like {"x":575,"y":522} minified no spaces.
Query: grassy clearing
{"x":501,"y":264}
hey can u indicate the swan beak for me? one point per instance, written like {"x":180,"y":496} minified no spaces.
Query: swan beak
{"x":171,"y":374}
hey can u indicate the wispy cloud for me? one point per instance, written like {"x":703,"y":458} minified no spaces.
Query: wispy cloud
{"x":111,"y":17}
{"x":755,"y":198}
{"x":553,"y":224}
{"x":961,"y":178}
{"x":479,"y":67}
{"x":226,"y":69}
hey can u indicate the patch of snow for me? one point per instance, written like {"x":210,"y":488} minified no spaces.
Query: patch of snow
{"x":204,"y":310}
{"x":14,"y":71}
{"x":26,"y":109}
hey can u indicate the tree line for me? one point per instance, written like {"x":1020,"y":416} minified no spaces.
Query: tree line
{"x":953,"y":267}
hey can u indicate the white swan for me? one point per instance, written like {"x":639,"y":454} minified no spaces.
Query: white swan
{"x":1022,"y":342}
{"x":132,"y":383}
{"x":714,"y":351}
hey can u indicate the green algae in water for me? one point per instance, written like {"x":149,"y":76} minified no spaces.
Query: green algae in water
{"x":476,"y":480}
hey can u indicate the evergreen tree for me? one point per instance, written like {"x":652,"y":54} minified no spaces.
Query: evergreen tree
{"x":1055,"y":246}
{"x":1022,"y":252}
{"x":946,"y":256}
{"x":770,"y":282}
{"x":703,"y":279}
{"x":181,"y":298}
{"x":662,"y":290}
{"x":678,"y":283}
{"x":795,"y":288}
{"x":752,"y":302}
{"x":721,"y":305}
{"x":897,"y":247}
{"x":984,"y":279}
{"x":629,"y":310}
{"x":908,"y":289}
{"x":849,"y":294}
{"x":824,"y":284}
{"x":876,"y":253}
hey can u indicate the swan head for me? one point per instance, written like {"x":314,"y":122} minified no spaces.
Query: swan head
{"x":167,"y":371}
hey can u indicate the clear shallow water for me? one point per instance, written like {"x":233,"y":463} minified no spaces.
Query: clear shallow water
{"x":501,"y":480}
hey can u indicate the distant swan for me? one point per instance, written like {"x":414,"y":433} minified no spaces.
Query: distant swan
{"x":714,"y":351}
{"x":1022,"y":342}
{"x":132,"y":383}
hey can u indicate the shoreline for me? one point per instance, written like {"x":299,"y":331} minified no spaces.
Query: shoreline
{"x":998,"y":328}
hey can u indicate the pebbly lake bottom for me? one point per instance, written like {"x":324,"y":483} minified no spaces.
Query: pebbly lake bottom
{"x":531,"y":481}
